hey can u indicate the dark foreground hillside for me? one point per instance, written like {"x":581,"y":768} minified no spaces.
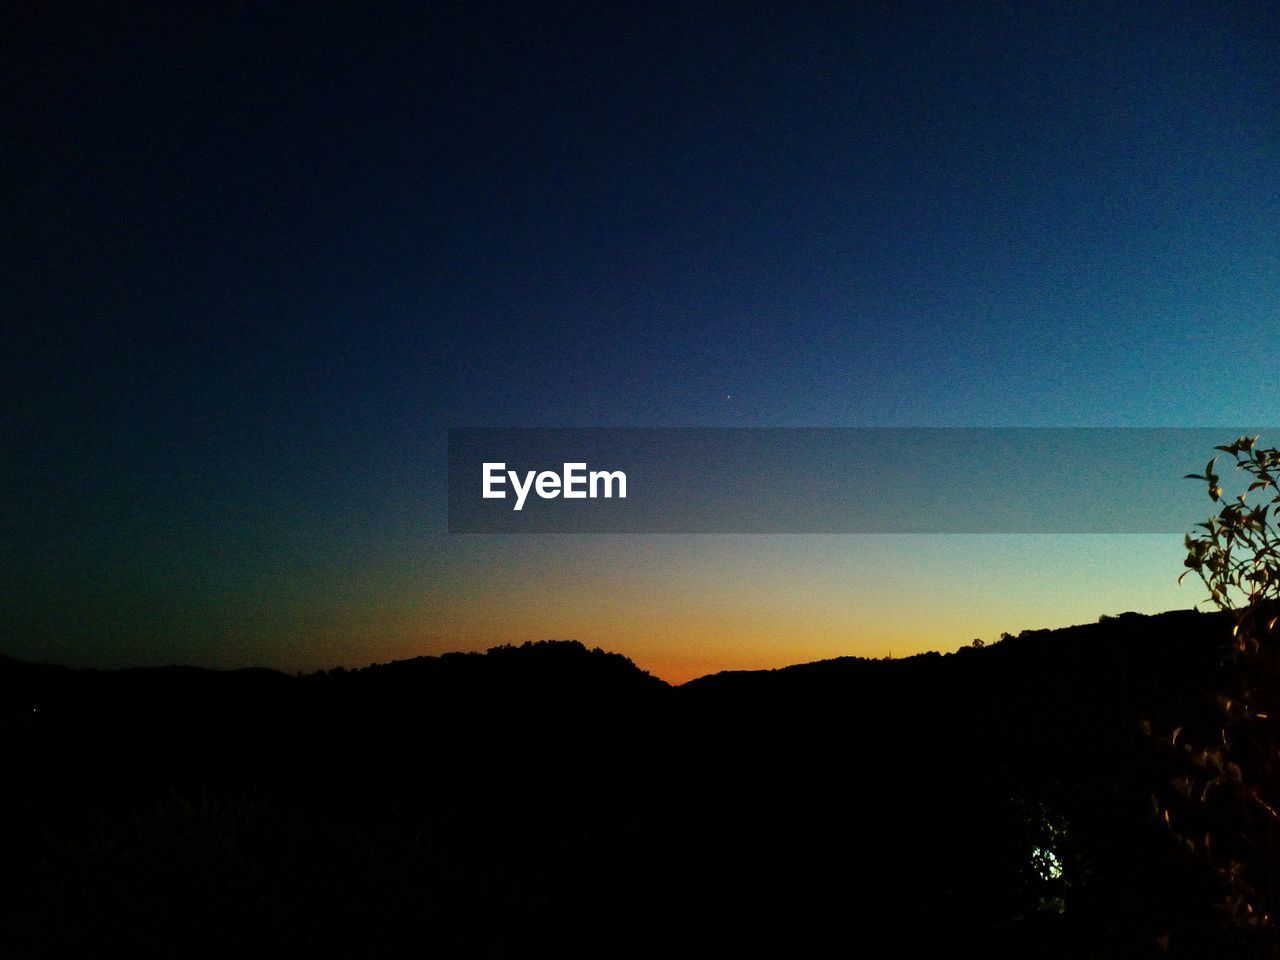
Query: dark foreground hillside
{"x":553,"y":801}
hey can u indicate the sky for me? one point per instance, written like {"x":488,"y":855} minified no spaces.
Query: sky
{"x":256,"y":262}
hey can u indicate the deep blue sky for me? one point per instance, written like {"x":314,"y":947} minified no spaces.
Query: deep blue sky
{"x":255,"y":262}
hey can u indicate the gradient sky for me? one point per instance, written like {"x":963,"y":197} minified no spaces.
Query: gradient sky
{"x":256,"y":262}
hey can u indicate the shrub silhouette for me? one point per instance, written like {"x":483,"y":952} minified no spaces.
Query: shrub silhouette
{"x":1226,"y":804}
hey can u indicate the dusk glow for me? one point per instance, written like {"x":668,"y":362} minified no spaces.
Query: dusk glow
{"x":625,"y":480}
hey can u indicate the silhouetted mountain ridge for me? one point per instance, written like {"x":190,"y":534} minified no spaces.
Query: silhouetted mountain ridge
{"x":550,"y":799}
{"x":562,"y":661}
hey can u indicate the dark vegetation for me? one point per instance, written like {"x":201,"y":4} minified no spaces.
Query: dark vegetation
{"x":548,"y":800}
{"x":1226,"y":804}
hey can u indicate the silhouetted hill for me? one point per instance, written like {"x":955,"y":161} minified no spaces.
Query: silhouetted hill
{"x":1158,"y":644}
{"x":550,"y":800}
{"x":563,"y":666}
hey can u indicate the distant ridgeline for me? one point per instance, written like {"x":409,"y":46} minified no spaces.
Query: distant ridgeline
{"x":548,"y":799}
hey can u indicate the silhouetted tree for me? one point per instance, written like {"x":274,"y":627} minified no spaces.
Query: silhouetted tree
{"x":1227,"y":802}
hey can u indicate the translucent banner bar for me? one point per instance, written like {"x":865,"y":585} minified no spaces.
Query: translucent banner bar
{"x":833,"y":480}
